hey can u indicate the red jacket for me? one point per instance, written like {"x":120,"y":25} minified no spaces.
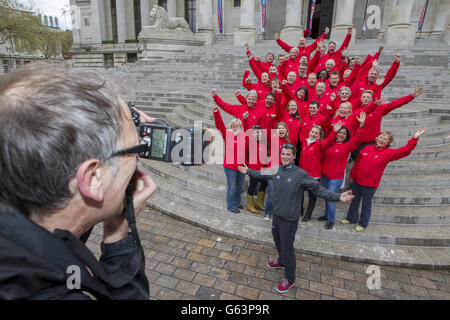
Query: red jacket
{"x":234,"y":145}
{"x":292,"y":121}
{"x":335,"y":158}
{"x":351,"y":122}
{"x":373,"y":120}
{"x":257,"y":153}
{"x":336,"y":56}
{"x":311,"y":155}
{"x":371,"y":162}
{"x":238,"y":110}
{"x":305,"y":50}
{"x":359,"y":86}
{"x":260,"y":88}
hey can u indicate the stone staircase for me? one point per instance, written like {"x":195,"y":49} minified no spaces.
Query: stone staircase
{"x":410,"y":223}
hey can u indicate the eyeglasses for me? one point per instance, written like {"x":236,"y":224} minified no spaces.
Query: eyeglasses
{"x":132,"y":150}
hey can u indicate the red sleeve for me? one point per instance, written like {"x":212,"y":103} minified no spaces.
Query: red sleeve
{"x":220,"y":125}
{"x":368,"y":109}
{"x":282,"y":69}
{"x":390,"y":75}
{"x":234,"y":110}
{"x":313,"y":46}
{"x":352,"y":77}
{"x":397,"y":103}
{"x":404,"y":151}
{"x":244,"y":84}
{"x":356,"y":139}
{"x":328,"y":142}
{"x":255,"y":68}
{"x":346,"y":42}
{"x":242,"y":99}
{"x":284,"y":45}
{"x":278,"y":106}
{"x":287,"y":93}
{"x":314,"y":61}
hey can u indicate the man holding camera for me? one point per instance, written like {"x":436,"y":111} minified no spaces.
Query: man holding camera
{"x":67,"y":164}
{"x":289,"y":182}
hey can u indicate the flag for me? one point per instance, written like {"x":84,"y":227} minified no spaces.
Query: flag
{"x":219,"y":15}
{"x":313,"y":6}
{"x":263,"y":4}
{"x":422,"y":16}
{"x":365,"y":17}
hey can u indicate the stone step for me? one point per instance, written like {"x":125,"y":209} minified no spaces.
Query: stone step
{"x":259,"y":231}
{"x":432,"y":130}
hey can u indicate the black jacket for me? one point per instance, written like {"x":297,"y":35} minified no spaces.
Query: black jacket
{"x":34,"y":264}
{"x":288,"y":185}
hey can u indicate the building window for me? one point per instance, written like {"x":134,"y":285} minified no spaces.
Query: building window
{"x":190,"y":13}
{"x":131,"y":57}
{"x":237,"y":3}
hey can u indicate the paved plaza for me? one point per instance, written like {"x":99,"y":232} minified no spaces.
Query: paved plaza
{"x":187,"y":262}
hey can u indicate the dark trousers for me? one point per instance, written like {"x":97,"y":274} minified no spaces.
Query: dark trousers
{"x":355,"y":153}
{"x":283,"y":232}
{"x":254,"y":183}
{"x":366,"y":194}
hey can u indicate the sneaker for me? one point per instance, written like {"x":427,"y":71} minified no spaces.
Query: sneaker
{"x":359,"y":228}
{"x":345,"y":221}
{"x":284,"y":286}
{"x":322,"y":218}
{"x":274,"y":265}
{"x":329,"y":225}
{"x":267,"y":218}
{"x":235,"y":210}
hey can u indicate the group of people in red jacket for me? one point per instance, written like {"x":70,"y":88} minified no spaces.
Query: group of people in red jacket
{"x":329,"y":107}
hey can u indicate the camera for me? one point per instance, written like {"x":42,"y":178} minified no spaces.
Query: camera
{"x":187,"y":146}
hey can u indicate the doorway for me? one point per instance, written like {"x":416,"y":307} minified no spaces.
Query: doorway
{"x":322,"y":17}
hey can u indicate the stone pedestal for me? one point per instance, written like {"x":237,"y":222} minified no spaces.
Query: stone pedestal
{"x":154,"y":43}
{"x":399,"y":31}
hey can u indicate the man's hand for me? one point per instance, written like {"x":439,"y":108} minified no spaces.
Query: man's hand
{"x":276,"y":36}
{"x":213,"y":92}
{"x":248,"y":80}
{"x":375,"y":63}
{"x":284,"y":82}
{"x":243,"y":169}
{"x":397,"y":57}
{"x":380,"y":49}
{"x":258,"y":58}
{"x":332,"y":97}
{"x":417,"y":92}
{"x":238,"y":93}
{"x":144,"y":117}
{"x":246,"y":46}
{"x":245,"y":115}
{"x":350,"y":30}
{"x":346,"y":196}
{"x":379,"y":82}
{"x":420,"y":132}
{"x":361,"y":119}
{"x":380,"y":101}
{"x":327,"y":30}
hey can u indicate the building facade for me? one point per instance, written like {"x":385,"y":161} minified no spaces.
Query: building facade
{"x":109,"y":29}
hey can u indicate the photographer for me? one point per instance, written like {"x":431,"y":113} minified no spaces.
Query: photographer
{"x":67,"y":164}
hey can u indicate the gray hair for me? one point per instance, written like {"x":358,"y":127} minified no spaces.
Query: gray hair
{"x":252,"y":93}
{"x":52,"y":119}
{"x":344,"y":88}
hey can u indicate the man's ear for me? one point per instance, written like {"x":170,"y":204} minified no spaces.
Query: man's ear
{"x":90,"y":179}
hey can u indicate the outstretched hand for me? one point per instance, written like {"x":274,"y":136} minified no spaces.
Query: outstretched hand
{"x":380,"y":101}
{"x":277,"y":36}
{"x":420,"y":132}
{"x":417,"y":92}
{"x":213,"y":92}
{"x":346,"y":196}
{"x":362,"y":118}
{"x":337,"y":126}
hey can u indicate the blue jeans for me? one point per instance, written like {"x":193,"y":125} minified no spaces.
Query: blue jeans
{"x":235,"y":180}
{"x":366,"y":194}
{"x":330,"y":207}
{"x":269,"y":206}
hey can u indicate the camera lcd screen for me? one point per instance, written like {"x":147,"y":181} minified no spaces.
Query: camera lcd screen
{"x":158,"y":143}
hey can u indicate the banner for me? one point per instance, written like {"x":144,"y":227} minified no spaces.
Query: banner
{"x":422,"y":16}
{"x":263,"y":4}
{"x":364,"y":28}
{"x":313,"y":6}
{"x":219,"y":15}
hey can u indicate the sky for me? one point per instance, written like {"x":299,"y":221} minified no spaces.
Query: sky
{"x":54,"y":8}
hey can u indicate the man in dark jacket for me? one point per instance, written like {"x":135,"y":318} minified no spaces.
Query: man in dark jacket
{"x":288,"y":184}
{"x":68,"y":164}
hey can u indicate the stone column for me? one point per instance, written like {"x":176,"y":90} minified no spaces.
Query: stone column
{"x":399,"y":31}
{"x":343,"y":20}
{"x":121,"y":21}
{"x":131,"y":27}
{"x":98,"y":19}
{"x":247,"y":30}
{"x":172,"y":8}
{"x":205,"y":21}
{"x":145,"y":12}
{"x":293,"y":29}
{"x":108,"y":20}
{"x":76,"y":22}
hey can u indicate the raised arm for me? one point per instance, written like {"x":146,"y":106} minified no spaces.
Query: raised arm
{"x":241,"y":98}
{"x":392,"y":72}
{"x":352,"y":77}
{"x":234,"y":110}
{"x":312,"y":63}
{"x":322,"y":37}
{"x":255,"y":68}
{"x":397,"y":103}
{"x":346,"y":40}
{"x":245,"y":79}
{"x":220,"y":125}
{"x":282,"y":44}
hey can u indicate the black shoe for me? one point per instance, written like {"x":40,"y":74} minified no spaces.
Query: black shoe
{"x":240,"y":206}
{"x":235,"y":210}
{"x":309,"y":211}
{"x":329,"y":225}
{"x":322,"y":218}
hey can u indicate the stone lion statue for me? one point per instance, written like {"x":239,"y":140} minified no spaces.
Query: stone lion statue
{"x":162,"y":21}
